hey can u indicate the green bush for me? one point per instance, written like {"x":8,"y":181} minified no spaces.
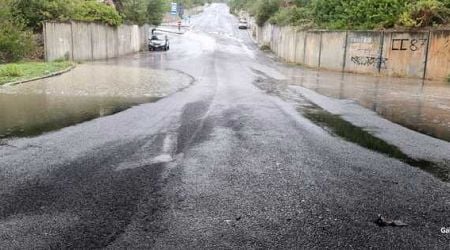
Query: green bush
{"x":155,"y":11}
{"x":357,"y":14}
{"x":35,"y":12}
{"x":236,"y":5}
{"x":93,"y":11}
{"x":348,"y":14}
{"x":15,"y":43}
{"x":298,"y":16}
{"x":425,"y":13}
{"x":264,"y":9}
{"x":15,"y":40}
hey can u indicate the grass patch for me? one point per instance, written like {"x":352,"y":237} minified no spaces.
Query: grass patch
{"x":13,"y":72}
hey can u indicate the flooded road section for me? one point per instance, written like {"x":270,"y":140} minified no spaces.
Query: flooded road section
{"x":423,"y":106}
{"x":87,"y":92}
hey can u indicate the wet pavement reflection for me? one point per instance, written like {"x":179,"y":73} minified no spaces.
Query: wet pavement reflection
{"x":423,"y":106}
{"x":87,"y":92}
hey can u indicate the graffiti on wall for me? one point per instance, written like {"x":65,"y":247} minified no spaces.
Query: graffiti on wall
{"x":408,"y":44}
{"x":370,"y":61}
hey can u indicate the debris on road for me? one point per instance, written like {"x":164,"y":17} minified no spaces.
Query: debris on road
{"x":382,"y":222}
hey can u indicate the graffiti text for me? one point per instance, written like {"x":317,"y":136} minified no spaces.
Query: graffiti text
{"x":370,"y":61}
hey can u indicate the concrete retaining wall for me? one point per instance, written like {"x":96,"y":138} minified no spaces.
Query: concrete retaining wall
{"x":58,"y":40}
{"x":313,"y":48}
{"x":362,"y":52}
{"x":99,"y":50}
{"x":81,"y":41}
{"x":438,"y":60}
{"x":406,"y":54}
{"x":333,"y":50}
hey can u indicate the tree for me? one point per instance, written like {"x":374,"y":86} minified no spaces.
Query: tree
{"x":155,"y":11}
{"x":135,"y":11}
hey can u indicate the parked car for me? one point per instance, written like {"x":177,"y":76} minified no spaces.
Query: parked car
{"x":158,"y":42}
{"x":243,"y":24}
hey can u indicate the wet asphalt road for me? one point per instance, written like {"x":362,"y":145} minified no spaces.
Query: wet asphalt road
{"x":221,"y":164}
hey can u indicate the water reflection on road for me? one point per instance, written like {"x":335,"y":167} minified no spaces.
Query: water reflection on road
{"x":87,"y":92}
{"x":423,"y":106}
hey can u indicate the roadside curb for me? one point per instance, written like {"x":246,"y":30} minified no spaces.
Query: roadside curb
{"x":40,"y":77}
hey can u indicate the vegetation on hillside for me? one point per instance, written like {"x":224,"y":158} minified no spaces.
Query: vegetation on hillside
{"x":15,"y":39}
{"x":35,"y":12}
{"x":349,"y":14}
{"x":150,"y":11}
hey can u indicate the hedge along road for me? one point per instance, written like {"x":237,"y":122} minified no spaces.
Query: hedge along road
{"x":224,"y":163}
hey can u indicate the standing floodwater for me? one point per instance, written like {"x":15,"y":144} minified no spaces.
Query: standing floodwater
{"x":415,"y":104}
{"x":87,"y":92}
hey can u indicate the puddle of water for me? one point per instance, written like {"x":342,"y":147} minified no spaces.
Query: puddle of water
{"x":340,"y":127}
{"x":415,"y":104}
{"x":87,"y":92}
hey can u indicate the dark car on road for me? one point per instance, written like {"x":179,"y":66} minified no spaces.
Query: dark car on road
{"x":243,"y":24}
{"x":158,"y":42}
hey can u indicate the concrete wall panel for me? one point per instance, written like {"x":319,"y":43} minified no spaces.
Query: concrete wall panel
{"x":405,"y":53}
{"x":283,"y":43}
{"x":112,"y":42}
{"x":312,"y":49}
{"x":275,"y":39}
{"x":363,"y":52}
{"x":300,"y":38}
{"x":438,"y":62}
{"x":82,"y":42}
{"x":123,"y":42}
{"x":99,"y":41}
{"x":144,"y":35}
{"x":267,"y":34}
{"x":58,"y":41}
{"x":135,"y":40}
{"x":291,"y":42}
{"x":333,"y":50}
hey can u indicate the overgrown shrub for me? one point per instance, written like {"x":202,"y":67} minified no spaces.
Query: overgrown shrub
{"x":264,"y":9}
{"x":348,"y":14}
{"x":155,"y":11}
{"x":298,"y":16}
{"x":425,"y":13}
{"x":15,"y":42}
{"x":93,"y":11}
{"x":35,"y":12}
{"x":357,"y":14}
